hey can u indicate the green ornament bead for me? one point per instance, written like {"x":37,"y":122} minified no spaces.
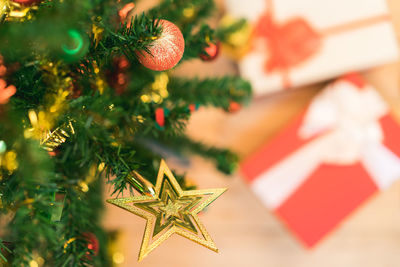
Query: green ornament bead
{"x":3,"y":147}
{"x":76,"y":46}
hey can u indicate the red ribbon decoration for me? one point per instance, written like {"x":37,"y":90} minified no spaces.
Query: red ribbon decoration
{"x":289,"y":44}
{"x":294,"y":42}
{"x":160,"y":117}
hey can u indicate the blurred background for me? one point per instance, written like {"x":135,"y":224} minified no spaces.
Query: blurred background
{"x":246,"y":232}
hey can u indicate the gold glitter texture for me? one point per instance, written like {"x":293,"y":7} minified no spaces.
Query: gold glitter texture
{"x":170,"y":211}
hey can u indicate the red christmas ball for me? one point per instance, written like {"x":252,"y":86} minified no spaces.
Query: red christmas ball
{"x":166,"y":51}
{"x":26,"y":2}
{"x":118,"y":77}
{"x":234,"y":107}
{"x":93,"y":242}
{"x":210,"y":52}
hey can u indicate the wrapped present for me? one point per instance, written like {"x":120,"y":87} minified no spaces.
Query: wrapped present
{"x":300,"y":42}
{"x":334,"y":156}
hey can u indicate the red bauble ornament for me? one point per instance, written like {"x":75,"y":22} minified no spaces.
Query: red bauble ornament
{"x":118,"y":77}
{"x":166,"y":51}
{"x":234,"y":107}
{"x":93,"y":242}
{"x":210,"y":52}
{"x":26,"y":2}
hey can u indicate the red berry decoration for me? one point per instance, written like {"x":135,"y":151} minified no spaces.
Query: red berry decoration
{"x":118,"y":77}
{"x":234,"y":107}
{"x":53,"y":153}
{"x":210,"y":52}
{"x":166,"y":51}
{"x":193,"y":107}
{"x":93,"y":242}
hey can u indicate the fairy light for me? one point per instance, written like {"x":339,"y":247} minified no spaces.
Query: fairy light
{"x":118,"y":258}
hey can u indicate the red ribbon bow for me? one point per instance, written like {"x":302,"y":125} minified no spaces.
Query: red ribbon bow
{"x":289,"y":44}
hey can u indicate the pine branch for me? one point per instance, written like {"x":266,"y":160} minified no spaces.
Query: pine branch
{"x":223,"y":33}
{"x":112,"y":130}
{"x":224,"y":159}
{"x":183,"y":12}
{"x":218,"y":92}
{"x":197,"y":41}
{"x":29,"y":191}
{"x":126,"y":40}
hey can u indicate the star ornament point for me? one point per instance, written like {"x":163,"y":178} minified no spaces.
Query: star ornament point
{"x":171,"y":210}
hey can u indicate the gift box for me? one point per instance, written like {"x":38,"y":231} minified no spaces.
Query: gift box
{"x":300,"y":42}
{"x":339,"y":152}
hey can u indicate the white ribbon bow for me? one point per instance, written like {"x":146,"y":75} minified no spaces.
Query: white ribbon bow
{"x":349,"y":116}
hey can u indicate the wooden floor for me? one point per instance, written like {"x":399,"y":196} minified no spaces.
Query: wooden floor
{"x":246,"y":233}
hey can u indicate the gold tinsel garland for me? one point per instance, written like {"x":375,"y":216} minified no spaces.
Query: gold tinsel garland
{"x":12,"y":11}
{"x":42,"y":122}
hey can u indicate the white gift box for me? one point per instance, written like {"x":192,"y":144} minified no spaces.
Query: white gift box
{"x":347,"y":35}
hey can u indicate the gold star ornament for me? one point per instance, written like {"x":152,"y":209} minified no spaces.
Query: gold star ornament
{"x":170,"y":210}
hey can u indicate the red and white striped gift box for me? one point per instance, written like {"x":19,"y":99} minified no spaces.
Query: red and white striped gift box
{"x":329,"y":160}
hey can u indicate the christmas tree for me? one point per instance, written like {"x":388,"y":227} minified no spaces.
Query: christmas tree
{"x":88,"y":96}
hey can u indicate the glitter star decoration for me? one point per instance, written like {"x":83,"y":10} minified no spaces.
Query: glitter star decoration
{"x":170,"y":210}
